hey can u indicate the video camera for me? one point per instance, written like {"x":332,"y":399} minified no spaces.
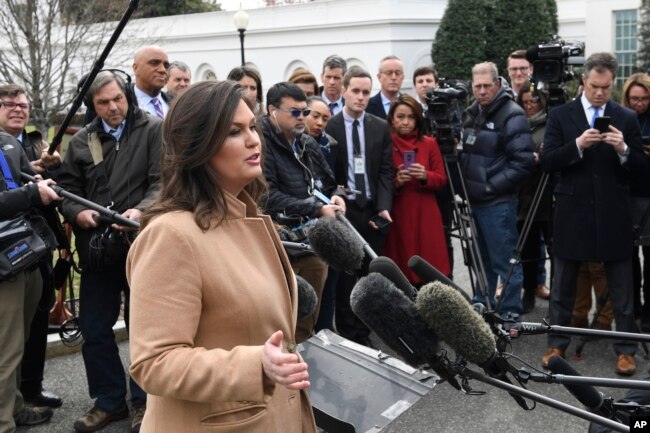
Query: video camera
{"x":552,"y":66}
{"x":442,"y":109}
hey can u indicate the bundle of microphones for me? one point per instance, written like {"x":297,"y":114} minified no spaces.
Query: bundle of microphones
{"x":413,"y":324}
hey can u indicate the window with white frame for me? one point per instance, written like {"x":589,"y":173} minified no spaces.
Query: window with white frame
{"x":625,"y":42}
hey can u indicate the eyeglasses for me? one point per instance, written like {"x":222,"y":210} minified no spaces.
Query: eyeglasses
{"x":639,"y":98}
{"x":531,"y":102}
{"x":12,"y":105}
{"x":520,"y":69}
{"x":295,"y":112}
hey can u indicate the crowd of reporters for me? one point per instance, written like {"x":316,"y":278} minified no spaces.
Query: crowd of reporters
{"x":329,"y":150}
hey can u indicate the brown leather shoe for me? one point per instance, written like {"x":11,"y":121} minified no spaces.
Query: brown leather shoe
{"x":96,"y":419}
{"x":543,"y":292}
{"x":626,"y":365}
{"x":551,"y":352}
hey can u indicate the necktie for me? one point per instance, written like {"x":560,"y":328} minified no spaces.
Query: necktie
{"x":158,"y":107}
{"x":332,"y":106}
{"x":359,"y":178}
{"x":595,"y":116}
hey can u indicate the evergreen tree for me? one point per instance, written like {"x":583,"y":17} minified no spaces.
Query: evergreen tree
{"x":551,"y":12}
{"x":513,"y":25}
{"x":473,"y":31}
{"x":643,"y":53}
{"x":460,"y":39}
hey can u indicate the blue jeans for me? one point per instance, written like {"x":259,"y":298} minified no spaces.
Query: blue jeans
{"x":497,"y":237}
{"x":99,"y":308}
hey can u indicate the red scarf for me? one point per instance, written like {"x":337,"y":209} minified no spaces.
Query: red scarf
{"x":405,"y":142}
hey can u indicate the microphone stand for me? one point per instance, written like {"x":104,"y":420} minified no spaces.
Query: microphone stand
{"x":99,"y":64}
{"x":567,"y":408}
{"x":529,"y":328}
{"x":565,"y":379}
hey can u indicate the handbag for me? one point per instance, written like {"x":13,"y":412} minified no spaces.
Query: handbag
{"x":24,"y":240}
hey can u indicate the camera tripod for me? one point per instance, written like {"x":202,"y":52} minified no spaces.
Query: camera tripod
{"x":463,"y":223}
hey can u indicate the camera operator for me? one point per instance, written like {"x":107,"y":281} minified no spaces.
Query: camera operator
{"x":592,"y":221}
{"x":295,"y":168}
{"x":497,"y":157}
{"x":112,"y":161}
{"x":20,"y":293}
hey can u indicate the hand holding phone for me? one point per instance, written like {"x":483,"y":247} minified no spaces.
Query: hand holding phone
{"x":602,"y":124}
{"x":409,"y":158}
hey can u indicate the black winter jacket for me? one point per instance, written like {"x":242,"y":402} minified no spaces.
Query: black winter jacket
{"x":501,"y":156}
{"x":289,"y":176}
{"x":133,"y":169}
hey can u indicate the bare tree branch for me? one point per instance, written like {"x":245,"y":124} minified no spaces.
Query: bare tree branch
{"x":43,"y":42}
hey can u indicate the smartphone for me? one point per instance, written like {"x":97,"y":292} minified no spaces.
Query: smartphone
{"x":382,"y":223}
{"x":409,"y":158}
{"x":602,"y":124}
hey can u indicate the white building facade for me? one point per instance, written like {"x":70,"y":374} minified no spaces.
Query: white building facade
{"x":282,"y":38}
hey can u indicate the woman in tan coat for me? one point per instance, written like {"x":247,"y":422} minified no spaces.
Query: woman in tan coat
{"x":213,"y":297}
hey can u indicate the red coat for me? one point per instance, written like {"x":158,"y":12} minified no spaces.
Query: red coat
{"x":417,"y":224}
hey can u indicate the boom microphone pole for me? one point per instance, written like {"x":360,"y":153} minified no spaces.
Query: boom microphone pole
{"x":106,"y":212}
{"x":99,"y":64}
{"x":114,"y":217}
{"x":567,"y":408}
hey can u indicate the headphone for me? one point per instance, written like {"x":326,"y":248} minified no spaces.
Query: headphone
{"x":123,"y":80}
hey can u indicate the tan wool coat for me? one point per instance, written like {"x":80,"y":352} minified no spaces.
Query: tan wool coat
{"x":202,"y":306}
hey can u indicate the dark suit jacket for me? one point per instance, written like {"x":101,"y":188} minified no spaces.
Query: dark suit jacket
{"x":592,"y":220}
{"x":379,"y":157}
{"x":376,"y":106}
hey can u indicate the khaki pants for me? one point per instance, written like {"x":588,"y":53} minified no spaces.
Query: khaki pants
{"x":591,"y":275}
{"x":314,"y":270}
{"x":19,"y":298}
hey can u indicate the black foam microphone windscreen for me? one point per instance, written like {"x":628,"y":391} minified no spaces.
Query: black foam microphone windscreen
{"x":389,"y":269}
{"x":335,"y":243}
{"x":307,"y":298}
{"x":451,"y":317}
{"x":428,"y":273}
{"x":588,"y":395}
{"x":532,"y":54}
{"x":393,"y":317}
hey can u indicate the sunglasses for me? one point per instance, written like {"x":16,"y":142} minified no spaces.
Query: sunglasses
{"x":295,"y":112}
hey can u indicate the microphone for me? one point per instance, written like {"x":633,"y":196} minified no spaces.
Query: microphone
{"x":396,"y":321}
{"x":451,"y":317}
{"x":428,"y":273}
{"x":307,"y":298}
{"x":588,"y":395}
{"x":387,"y":267}
{"x":335,"y":243}
{"x":532,"y":54}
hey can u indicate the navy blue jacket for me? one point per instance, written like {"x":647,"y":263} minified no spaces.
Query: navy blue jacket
{"x":501,"y":158}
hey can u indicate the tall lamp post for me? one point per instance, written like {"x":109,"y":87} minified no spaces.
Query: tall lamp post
{"x":241,"y":22}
